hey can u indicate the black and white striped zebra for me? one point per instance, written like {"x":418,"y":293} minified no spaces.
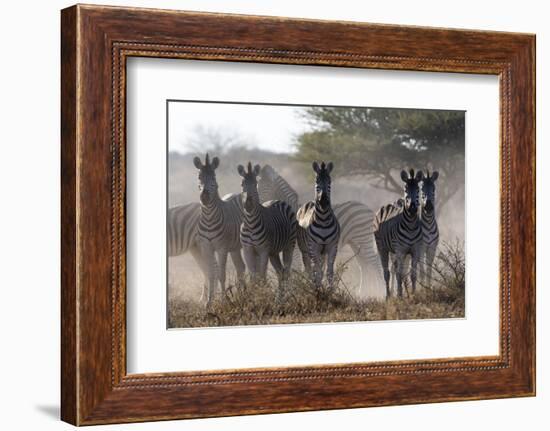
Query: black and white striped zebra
{"x":266,"y":231}
{"x":430,"y":231}
{"x":355,"y":219}
{"x":182,"y":227}
{"x":218,"y":227}
{"x":398,"y":231}
{"x":319,"y":230}
{"x":272,"y":186}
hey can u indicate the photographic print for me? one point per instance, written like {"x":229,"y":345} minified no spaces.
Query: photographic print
{"x":286,"y":214}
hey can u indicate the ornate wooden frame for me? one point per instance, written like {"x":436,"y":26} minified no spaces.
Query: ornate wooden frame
{"x":95,"y":43}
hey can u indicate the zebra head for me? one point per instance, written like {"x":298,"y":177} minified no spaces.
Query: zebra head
{"x":249,"y":186}
{"x":411,"y":189}
{"x":208,"y":186}
{"x":322,"y":183}
{"x":427,"y":190}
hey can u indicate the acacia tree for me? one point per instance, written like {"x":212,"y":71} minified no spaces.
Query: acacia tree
{"x":378,"y":143}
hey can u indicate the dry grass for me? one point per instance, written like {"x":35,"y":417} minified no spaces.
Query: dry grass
{"x":257,"y":304}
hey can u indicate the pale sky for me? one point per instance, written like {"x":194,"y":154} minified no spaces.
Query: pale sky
{"x":268,"y":127}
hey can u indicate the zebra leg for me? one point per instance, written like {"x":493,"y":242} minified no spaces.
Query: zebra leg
{"x":278,"y":267}
{"x":331,"y":258}
{"x":197,"y":255}
{"x":307,"y":263}
{"x":414,"y":263}
{"x":210,"y":257}
{"x":250,"y":259}
{"x":363,"y":271}
{"x":384,"y":261}
{"x":238,"y":262}
{"x":430,"y":256}
{"x":422,"y":266}
{"x":222,"y":262}
{"x":393,"y":273}
{"x":288,"y":258}
{"x":398,"y":264}
{"x":317,"y":263}
{"x":263,"y":258}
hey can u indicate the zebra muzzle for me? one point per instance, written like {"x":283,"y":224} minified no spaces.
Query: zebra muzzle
{"x":324,"y":201}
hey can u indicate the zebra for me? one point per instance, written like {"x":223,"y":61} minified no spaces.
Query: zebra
{"x":266,"y":230}
{"x":355,"y":218}
{"x":218,"y":227}
{"x":430,"y":231}
{"x":273,"y":186}
{"x":398,"y":230}
{"x":319,"y":230}
{"x":182,"y":234}
{"x":182,"y":224}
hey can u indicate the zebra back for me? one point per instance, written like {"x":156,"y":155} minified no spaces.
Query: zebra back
{"x":356,"y":221}
{"x":392,"y":228}
{"x":234,"y":199}
{"x":385,"y":214}
{"x":272,"y":186}
{"x":280,"y":221}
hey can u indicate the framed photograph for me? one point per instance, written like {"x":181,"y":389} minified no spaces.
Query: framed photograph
{"x":264,"y":215}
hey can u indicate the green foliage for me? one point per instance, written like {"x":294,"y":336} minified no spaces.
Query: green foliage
{"x":379,"y":142}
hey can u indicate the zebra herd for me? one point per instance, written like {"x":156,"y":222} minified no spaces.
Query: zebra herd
{"x":266,"y":221}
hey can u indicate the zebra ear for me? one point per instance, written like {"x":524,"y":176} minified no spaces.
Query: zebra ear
{"x":240,"y":169}
{"x":329,"y":167}
{"x":419,"y":176}
{"x":257,"y":170}
{"x":315,"y":166}
{"x":215,"y":163}
{"x":404,"y":176}
{"x":435,"y":175}
{"x":197,"y":162}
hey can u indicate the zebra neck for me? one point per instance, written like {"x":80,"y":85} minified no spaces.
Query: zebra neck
{"x":252,"y":217}
{"x":213,"y":209}
{"x":428,"y":216}
{"x":410,"y":218}
{"x":322,"y":216}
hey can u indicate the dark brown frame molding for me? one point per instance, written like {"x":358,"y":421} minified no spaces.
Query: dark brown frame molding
{"x":95,"y":43}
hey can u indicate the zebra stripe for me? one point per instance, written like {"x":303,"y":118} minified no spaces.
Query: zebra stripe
{"x":355,"y":219}
{"x":182,"y":228}
{"x":398,"y":231}
{"x":271,"y":224}
{"x":272,"y":186}
{"x":266,"y":230}
{"x":218,"y":227}
{"x":430,"y":231}
{"x":219,"y":222}
{"x":319,"y":230}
